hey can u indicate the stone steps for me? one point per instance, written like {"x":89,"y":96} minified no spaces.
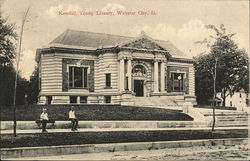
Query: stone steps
{"x":227,"y":118}
{"x":162,"y":102}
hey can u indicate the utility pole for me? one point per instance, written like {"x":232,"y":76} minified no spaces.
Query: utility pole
{"x":17,"y":68}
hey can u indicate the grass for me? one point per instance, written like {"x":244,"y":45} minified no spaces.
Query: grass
{"x":77,"y":138}
{"x":94,"y":112}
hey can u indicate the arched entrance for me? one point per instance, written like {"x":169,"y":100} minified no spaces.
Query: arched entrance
{"x":139,"y":79}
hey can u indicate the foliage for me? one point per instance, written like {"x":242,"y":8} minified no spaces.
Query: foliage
{"x":7,"y":71}
{"x":232,"y":66}
{"x":7,"y":78}
{"x":7,"y":46}
{"x":33,"y":89}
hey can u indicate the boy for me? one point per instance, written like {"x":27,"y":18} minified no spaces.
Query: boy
{"x":73,"y":118}
{"x":44,"y":118}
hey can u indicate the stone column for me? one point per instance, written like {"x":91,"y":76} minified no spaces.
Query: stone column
{"x":162,"y":76}
{"x":121,"y":74}
{"x":129,"y":70}
{"x":156,"y":77}
{"x":191,"y":81}
{"x":78,"y":100}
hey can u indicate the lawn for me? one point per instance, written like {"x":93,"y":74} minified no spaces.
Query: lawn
{"x":76,"y":138}
{"x":94,"y":112}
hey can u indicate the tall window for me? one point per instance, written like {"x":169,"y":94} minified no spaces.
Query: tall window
{"x":78,"y":77}
{"x":177,"y":81}
{"x":108,"y":80}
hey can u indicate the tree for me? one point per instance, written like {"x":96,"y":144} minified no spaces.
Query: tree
{"x":225,"y":65}
{"x":7,"y":55}
{"x":7,"y":70}
{"x":7,"y":46}
{"x":232,"y":63}
{"x":33,"y":89}
{"x":17,"y":66}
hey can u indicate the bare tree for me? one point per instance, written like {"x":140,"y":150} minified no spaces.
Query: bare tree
{"x":17,"y":67}
{"x":214,"y":96}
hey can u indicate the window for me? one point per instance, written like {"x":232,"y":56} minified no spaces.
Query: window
{"x":83,"y":99}
{"x":107,"y":99}
{"x":165,"y":79}
{"x":73,"y":99}
{"x":126,"y":84}
{"x":78,"y":77}
{"x":177,"y":81}
{"x":49,"y":100}
{"x":240,"y":95}
{"x":108,"y":80}
{"x":231,"y":104}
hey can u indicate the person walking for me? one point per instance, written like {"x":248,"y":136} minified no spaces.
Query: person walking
{"x":44,"y":119}
{"x":73,"y":118}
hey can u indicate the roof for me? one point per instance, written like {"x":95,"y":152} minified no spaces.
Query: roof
{"x":93,"y":41}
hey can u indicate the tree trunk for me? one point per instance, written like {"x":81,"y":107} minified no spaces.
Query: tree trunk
{"x":17,"y":68}
{"x":214,"y":77}
{"x":224,"y":97}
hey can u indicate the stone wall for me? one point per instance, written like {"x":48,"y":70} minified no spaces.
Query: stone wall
{"x":51,"y":73}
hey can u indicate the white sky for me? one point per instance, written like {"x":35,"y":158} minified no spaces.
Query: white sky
{"x":180,"y":21}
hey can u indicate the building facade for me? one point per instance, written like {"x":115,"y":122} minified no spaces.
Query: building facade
{"x":239,"y":99}
{"x":83,"y":67}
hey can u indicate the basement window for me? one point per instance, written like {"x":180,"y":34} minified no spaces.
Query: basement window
{"x":49,"y":100}
{"x":107,"y":99}
{"x":73,"y":99}
{"x":83,"y":99}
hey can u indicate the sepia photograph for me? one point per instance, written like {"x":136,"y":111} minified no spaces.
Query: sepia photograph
{"x":124,"y":79}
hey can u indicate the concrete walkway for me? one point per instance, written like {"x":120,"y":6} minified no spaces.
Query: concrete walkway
{"x":238,"y":152}
{"x":33,"y":131}
{"x":115,"y":147}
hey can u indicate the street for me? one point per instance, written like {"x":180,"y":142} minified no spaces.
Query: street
{"x":237,"y":152}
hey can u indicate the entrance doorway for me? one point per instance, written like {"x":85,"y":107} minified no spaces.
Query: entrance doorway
{"x":138,"y":88}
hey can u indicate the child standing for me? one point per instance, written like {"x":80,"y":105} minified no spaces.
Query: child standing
{"x":73,"y":118}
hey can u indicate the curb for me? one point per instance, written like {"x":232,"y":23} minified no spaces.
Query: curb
{"x":8,"y":125}
{"x":114,"y":147}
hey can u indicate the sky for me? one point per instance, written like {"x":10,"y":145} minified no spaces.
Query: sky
{"x":182,"y":22}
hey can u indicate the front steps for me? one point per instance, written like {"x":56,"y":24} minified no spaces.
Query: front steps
{"x":227,"y":118}
{"x":170,"y":102}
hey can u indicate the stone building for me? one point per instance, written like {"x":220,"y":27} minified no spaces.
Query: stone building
{"x":84,"y":67}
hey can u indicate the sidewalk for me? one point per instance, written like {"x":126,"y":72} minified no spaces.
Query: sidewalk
{"x":33,"y":131}
{"x":89,"y":151}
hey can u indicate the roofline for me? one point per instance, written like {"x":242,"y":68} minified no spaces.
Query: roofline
{"x":52,"y":49}
{"x":102,"y":50}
